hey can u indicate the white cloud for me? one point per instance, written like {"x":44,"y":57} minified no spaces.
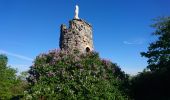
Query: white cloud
{"x":16,"y":55}
{"x":127,"y":42}
{"x":18,"y":65}
{"x":134,"y":42}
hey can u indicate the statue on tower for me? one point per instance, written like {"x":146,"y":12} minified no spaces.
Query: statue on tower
{"x":78,"y":36}
{"x":76,"y":12}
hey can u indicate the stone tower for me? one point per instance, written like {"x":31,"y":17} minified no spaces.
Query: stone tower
{"x":78,"y":36}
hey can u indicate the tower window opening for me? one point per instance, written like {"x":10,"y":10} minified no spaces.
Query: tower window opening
{"x":87,"y":49}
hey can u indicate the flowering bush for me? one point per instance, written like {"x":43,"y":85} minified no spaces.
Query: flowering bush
{"x":73,"y":75}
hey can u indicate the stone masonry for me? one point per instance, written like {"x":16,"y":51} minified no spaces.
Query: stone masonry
{"x":77,"y":37}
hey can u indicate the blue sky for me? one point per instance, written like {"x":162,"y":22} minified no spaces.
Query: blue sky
{"x":121,"y":28}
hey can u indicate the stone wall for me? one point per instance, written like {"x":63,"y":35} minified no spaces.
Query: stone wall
{"x":77,"y":36}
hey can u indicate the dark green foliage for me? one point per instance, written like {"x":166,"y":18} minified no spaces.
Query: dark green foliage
{"x":154,"y":84}
{"x":151,"y":86}
{"x":158,"y":53}
{"x":65,"y":75}
{"x":10,"y":85}
{"x":3,"y":61}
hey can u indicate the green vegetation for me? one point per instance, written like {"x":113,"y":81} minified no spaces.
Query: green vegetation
{"x":154,"y":82}
{"x":66,"y":75}
{"x":11,"y":86}
{"x":158,"y":53}
{"x":71,"y":75}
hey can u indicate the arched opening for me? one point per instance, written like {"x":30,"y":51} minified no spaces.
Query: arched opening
{"x":87,"y":49}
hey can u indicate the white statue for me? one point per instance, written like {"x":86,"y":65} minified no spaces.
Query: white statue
{"x":76,"y":16}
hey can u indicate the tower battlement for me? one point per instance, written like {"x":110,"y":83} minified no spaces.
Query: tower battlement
{"x":77,"y":37}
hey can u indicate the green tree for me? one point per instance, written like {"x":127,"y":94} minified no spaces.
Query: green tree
{"x":158,"y":53}
{"x":74,"y":76}
{"x":3,"y":61}
{"x":10,"y":84}
{"x":153,"y":84}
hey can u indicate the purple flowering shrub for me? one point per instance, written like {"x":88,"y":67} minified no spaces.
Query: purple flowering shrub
{"x":73,"y":75}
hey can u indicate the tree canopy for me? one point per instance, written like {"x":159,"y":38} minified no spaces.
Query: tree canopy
{"x":153,"y":84}
{"x":10,"y":84}
{"x":158,"y":53}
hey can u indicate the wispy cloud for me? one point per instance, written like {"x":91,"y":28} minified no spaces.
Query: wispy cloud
{"x":127,"y":42}
{"x":18,"y":65}
{"x":134,"y":42}
{"x":16,"y":55}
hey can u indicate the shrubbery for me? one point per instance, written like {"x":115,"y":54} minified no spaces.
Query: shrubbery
{"x":11,"y":86}
{"x":65,"y":75}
